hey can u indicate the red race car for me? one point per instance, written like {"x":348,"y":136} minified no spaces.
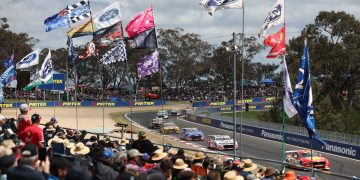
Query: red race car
{"x":302,"y":158}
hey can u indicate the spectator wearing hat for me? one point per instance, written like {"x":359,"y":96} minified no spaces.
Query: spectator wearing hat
{"x":179,"y":155}
{"x":59,"y":168}
{"x":29,"y":163}
{"x":80,"y":149}
{"x":48,"y":134}
{"x":33,"y":134}
{"x":197,"y":164}
{"x":133,"y":163}
{"x":164,"y":168}
{"x":7,"y":160}
{"x":122,"y":143}
{"x":178,"y":167}
{"x":248,"y":167}
{"x":231,"y":175}
{"x":103,"y":169}
{"x":143,"y":145}
{"x":269,"y":173}
{"x":68,"y":145}
{"x":158,"y":156}
{"x":23,"y":118}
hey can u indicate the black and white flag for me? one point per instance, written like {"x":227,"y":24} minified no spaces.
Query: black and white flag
{"x":117,"y":53}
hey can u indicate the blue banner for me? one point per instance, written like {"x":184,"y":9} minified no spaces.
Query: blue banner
{"x":58,"y":83}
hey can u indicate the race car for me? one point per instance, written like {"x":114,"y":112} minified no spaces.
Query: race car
{"x":175,"y":112}
{"x":156,"y":122}
{"x":163,"y":114}
{"x":192,"y":134}
{"x":169,"y":127}
{"x":299,"y":158}
{"x":221,"y":142}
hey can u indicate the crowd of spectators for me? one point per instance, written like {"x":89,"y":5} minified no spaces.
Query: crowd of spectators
{"x":48,"y":151}
{"x":182,"y":94}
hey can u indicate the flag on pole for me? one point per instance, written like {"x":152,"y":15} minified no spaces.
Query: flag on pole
{"x":303,"y":96}
{"x":79,"y":11}
{"x":213,"y":5}
{"x":276,"y":16}
{"x":277,"y":42}
{"x":106,"y":36}
{"x":9,"y":61}
{"x":29,"y":60}
{"x":35,"y":83}
{"x":287,"y":98}
{"x":108,"y":16}
{"x":46,"y":70}
{"x":117,"y":53}
{"x":81,"y":30}
{"x":148,"y":65}
{"x":140,"y":23}
{"x":72,"y":54}
{"x":7,"y":76}
{"x":90,"y":50}
{"x":144,"y":40}
{"x":56,"y":21}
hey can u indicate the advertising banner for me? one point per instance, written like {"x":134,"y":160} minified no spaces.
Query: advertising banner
{"x":58,"y":83}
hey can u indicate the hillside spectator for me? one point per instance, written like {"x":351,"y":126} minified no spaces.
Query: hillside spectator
{"x":133,"y":163}
{"x":231,"y":175}
{"x":7,"y":160}
{"x":180,"y":155}
{"x":164,"y":168}
{"x":178,"y":167}
{"x":29,"y":165}
{"x":158,"y":156}
{"x":78,"y":172}
{"x":143,"y":145}
{"x":103,"y":169}
{"x":59,"y":168}
{"x":269,"y":173}
{"x":213,"y":175}
{"x":33,"y":134}
{"x":186,"y":175}
{"x":23,"y":119}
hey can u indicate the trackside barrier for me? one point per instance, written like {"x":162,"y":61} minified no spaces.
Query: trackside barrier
{"x":341,"y":149}
{"x":85,"y":104}
{"x":230,"y":102}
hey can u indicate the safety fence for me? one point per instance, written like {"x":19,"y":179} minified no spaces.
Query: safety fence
{"x":230,"y":102}
{"x":85,"y":104}
{"x":275,"y":134}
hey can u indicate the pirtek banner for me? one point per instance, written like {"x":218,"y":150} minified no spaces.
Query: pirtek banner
{"x":58,"y":83}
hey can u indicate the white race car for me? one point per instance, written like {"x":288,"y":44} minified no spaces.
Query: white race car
{"x":221,"y":142}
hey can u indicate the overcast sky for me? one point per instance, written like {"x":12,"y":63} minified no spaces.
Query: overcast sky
{"x":28,"y":16}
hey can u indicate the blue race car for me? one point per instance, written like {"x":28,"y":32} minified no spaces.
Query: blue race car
{"x":192,"y":134}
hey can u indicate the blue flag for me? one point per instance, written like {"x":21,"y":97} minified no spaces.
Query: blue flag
{"x":56,"y":21}
{"x":8,"y":76}
{"x":303,"y":96}
{"x":72,"y":54}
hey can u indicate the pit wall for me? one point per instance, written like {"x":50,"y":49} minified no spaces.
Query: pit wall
{"x":341,"y":149}
{"x":85,"y":104}
{"x":226,"y":103}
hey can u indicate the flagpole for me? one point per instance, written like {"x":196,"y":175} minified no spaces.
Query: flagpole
{"x":283,"y":110}
{"x":234,"y":97}
{"x":242,"y":74}
{"x":160,"y":69}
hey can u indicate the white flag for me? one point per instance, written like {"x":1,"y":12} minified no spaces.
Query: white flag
{"x":213,"y":5}
{"x":46,"y":71}
{"x":108,"y":16}
{"x":276,"y":16}
{"x":288,"y":105}
{"x":29,"y":60}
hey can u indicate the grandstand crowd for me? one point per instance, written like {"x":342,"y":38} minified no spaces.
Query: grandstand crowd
{"x":182,"y":94}
{"x":30,"y":150}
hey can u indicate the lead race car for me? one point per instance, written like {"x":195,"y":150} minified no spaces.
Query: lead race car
{"x":221,"y":142}
{"x":192,"y":134}
{"x":299,"y":158}
{"x":156,"y":122}
{"x":163,"y":114}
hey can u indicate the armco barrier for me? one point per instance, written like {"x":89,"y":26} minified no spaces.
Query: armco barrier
{"x":85,"y":104}
{"x":226,"y":103}
{"x":341,"y":149}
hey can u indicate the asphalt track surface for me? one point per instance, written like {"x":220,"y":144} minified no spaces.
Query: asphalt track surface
{"x":260,"y":148}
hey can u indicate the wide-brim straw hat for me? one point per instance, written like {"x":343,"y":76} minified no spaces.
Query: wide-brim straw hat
{"x":68,"y":144}
{"x":8,"y":143}
{"x":180,"y":164}
{"x":123,"y":142}
{"x":55,"y":139}
{"x":80,"y":149}
{"x":50,"y":129}
{"x":249,"y":165}
{"x":231,"y":175}
{"x":107,"y":139}
{"x":159,"y":154}
{"x":199,"y":155}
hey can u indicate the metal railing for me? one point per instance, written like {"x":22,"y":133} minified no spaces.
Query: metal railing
{"x":327,"y":135}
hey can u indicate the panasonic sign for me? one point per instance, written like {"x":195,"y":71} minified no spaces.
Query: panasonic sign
{"x":341,"y":150}
{"x":271,"y":135}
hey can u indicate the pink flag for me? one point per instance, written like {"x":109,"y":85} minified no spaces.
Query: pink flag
{"x":90,"y":50}
{"x":140,"y":23}
{"x":277,"y":42}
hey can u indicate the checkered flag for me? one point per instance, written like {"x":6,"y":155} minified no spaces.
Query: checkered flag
{"x":117,"y":53}
{"x":79,"y":11}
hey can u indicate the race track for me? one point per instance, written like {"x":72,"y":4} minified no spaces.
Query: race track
{"x":260,"y":148}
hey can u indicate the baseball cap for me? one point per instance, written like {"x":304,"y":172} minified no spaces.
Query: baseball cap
{"x":107,"y":153}
{"x":24,"y":107}
{"x":134,"y":153}
{"x":141,"y":134}
{"x":35,"y":118}
{"x":29,"y":150}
